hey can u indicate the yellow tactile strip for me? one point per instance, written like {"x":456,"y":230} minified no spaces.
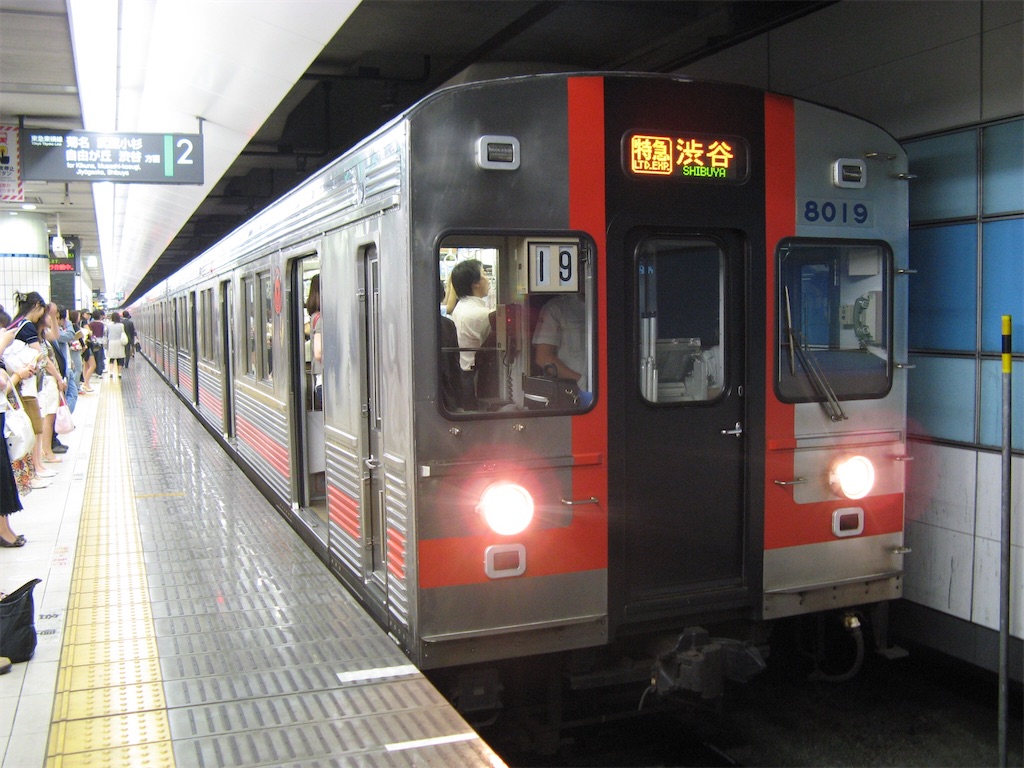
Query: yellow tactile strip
{"x":109,"y":706}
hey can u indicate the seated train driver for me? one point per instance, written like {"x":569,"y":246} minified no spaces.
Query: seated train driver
{"x":560,"y":338}
{"x":472,"y":321}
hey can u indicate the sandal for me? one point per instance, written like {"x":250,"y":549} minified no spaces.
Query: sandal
{"x":52,"y":460}
{"x":18,"y":542}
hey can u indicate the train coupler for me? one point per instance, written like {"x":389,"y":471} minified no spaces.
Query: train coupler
{"x":700,"y":664}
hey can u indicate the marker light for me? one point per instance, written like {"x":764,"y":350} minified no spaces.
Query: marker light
{"x":507,"y":508}
{"x":852,"y":476}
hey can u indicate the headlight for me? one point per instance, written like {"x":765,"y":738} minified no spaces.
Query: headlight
{"x":507,"y":508}
{"x":852,"y":476}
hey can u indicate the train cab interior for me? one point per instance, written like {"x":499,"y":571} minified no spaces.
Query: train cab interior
{"x":835,"y":304}
{"x":541,"y":304}
{"x":681,"y":313}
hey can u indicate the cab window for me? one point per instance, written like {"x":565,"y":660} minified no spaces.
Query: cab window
{"x":681,"y":307}
{"x":834,"y":307}
{"x":515,"y":325}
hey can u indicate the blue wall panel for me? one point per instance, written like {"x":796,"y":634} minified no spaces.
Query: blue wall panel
{"x":943,"y":293}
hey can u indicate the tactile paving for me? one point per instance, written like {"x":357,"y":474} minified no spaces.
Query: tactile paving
{"x":201,"y":630}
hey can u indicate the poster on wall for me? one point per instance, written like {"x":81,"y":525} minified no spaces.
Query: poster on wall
{"x":12,"y":189}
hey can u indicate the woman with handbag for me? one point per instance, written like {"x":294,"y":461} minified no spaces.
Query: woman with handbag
{"x":88,"y":359}
{"x":117,"y":341}
{"x":10,"y":501}
{"x":51,"y":390}
{"x":22,"y":351}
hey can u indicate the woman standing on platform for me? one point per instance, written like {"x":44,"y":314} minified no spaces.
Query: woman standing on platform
{"x":117,"y":340}
{"x":31,"y":308}
{"x":50,"y":390}
{"x":88,"y":359}
{"x":10,"y":501}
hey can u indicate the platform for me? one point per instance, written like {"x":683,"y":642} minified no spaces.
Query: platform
{"x":182,"y":622}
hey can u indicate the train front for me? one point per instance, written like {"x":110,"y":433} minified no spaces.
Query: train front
{"x":667,"y":392}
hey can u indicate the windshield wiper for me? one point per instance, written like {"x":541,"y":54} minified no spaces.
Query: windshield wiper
{"x":812,"y":368}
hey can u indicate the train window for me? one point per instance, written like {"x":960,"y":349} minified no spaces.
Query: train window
{"x":516,"y":330}
{"x":250,"y":315}
{"x":266,"y":347}
{"x":681,"y":307}
{"x":206,"y":324}
{"x":834,"y":307}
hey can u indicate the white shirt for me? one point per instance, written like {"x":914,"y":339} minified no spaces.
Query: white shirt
{"x":563,"y":324}
{"x":473,"y":324}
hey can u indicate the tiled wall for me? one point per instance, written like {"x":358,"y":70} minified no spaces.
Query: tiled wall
{"x":24,"y":258}
{"x":25,"y":262}
{"x":967,"y":245}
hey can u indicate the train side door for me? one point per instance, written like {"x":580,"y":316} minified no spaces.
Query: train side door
{"x":684,"y":423}
{"x":374,"y":526}
{"x":227,"y":355}
{"x":309,"y":435}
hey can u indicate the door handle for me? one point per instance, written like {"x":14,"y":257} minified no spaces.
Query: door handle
{"x":372,"y":463}
{"x":735,"y":431}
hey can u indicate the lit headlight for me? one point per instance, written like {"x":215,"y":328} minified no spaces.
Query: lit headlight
{"x":852,"y":476}
{"x":507,"y":508}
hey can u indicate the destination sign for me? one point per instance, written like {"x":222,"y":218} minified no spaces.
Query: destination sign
{"x":698,"y":157}
{"x":126,"y":158}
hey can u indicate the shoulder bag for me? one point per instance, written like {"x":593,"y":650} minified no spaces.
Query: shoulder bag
{"x":18,"y":623}
{"x":18,"y":430}
{"x":62,"y":423}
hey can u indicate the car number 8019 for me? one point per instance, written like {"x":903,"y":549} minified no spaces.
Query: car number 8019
{"x":835,"y":213}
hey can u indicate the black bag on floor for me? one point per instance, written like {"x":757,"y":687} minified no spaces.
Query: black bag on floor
{"x":541,"y":392}
{"x":18,"y":623}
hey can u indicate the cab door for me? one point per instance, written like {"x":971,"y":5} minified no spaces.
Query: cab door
{"x":374,"y":523}
{"x":684,"y":423}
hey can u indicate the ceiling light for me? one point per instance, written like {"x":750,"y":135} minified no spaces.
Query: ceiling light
{"x":28,"y":206}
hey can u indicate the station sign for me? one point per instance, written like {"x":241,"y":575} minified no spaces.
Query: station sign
{"x":696,"y":157}
{"x":125,"y":158}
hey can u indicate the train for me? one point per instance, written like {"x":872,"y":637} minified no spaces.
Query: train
{"x":729,"y":450}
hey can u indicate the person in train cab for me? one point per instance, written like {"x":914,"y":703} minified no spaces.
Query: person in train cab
{"x":448,"y":338}
{"x":559,"y":340}
{"x":98,"y":341}
{"x":316,"y":342}
{"x":472,"y":321}
{"x":10,"y":500}
{"x":129,"y":328}
{"x":117,"y":343}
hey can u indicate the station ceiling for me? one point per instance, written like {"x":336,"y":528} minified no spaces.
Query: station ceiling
{"x":280,"y":89}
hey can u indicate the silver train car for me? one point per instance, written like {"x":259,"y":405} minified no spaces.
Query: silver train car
{"x":729,"y":448}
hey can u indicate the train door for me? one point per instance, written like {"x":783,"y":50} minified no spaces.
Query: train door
{"x":192,"y":346}
{"x":307,"y":348}
{"x":227,"y":354}
{"x":684,"y":423}
{"x":373,"y":481}
{"x":176,"y":340}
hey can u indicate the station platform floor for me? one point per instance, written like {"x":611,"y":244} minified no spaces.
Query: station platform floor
{"x":182,"y":622}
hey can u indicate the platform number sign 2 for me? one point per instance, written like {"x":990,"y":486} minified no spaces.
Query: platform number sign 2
{"x":554,"y":267}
